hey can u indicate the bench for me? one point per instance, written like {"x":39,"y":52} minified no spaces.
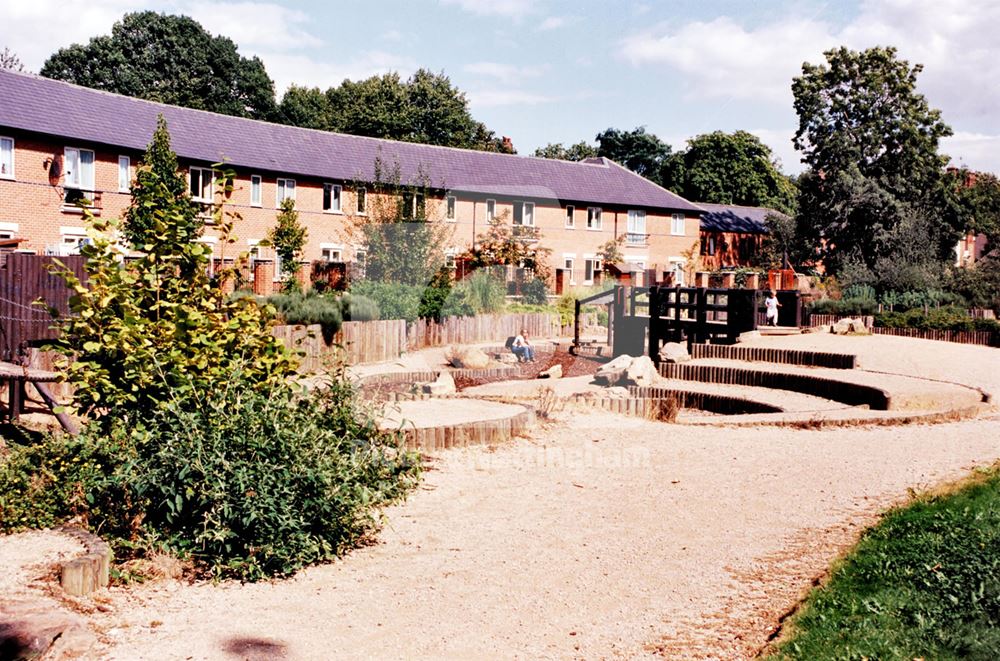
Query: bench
{"x":17,"y":378}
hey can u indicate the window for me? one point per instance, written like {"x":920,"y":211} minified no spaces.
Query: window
{"x":79,"y":171}
{"x":331,"y":198}
{"x":711,"y":245}
{"x":331,"y":253}
{"x":677,"y":224}
{"x":286,"y":191}
{"x":591,"y":266}
{"x":202,"y":181}
{"x":491,"y":210}
{"x":569,"y":264}
{"x":450,"y":214}
{"x":593,"y":218}
{"x":71,"y":239}
{"x":449,"y":258}
{"x":636,"y":227}
{"x":360,"y":262}
{"x":362,"y":194}
{"x":570,"y":210}
{"x":124,"y":174}
{"x":6,"y":158}
{"x":524,"y":213}
{"x":256,"y":191}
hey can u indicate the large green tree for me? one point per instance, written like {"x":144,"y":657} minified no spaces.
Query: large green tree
{"x":729,"y":168}
{"x":170,"y":59}
{"x":575,"y":152}
{"x":641,"y":152}
{"x":873,"y":198}
{"x":426,"y":108}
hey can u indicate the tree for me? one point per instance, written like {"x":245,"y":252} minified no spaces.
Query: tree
{"x":729,"y":168}
{"x":641,"y":152}
{"x":288,"y":237}
{"x":9,"y":60}
{"x":506,"y":245}
{"x":875,"y":179}
{"x":575,"y":152}
{"x":170,"y":59}
{"x":426,"y":108}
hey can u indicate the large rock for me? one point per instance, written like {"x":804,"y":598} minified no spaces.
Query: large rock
{"x":444,"y":385}
{"x":469,"y":358}
{"x":507,"y":358}
{"x":674,"y":352}
{"x":613,"y":372}
{"x":842,"y":327}
{"x":554,"y":372}
{"x":858,"y":327}
{"x":641,"y":372}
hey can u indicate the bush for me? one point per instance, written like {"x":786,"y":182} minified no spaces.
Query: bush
{"x":844,"y":306}
{"x":534,"y":292}
{"x":394,"y":301}
{"x":355,"y":307}
{"x":309,"y":309}
{"x":946,"y":318}
{"x":246,"y":483}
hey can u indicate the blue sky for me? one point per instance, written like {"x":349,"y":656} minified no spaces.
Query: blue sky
{"x":544,"y":71}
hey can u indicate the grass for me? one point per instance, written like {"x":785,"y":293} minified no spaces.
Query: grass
{"x":923,"y":583}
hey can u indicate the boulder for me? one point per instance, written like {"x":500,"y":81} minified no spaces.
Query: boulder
{"x":842,"y":327}
{"x":444,"y":385}
{"x":469,"y":358}
{"x":858,"y":327}
{"x":674,"y":352}
{"x":507,"y":358}
{"x":613,"y":372}
{"x":642,"y":372}
{"x":554,"y":372}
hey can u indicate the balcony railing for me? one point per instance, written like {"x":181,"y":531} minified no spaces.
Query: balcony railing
{"x":636,"y":238}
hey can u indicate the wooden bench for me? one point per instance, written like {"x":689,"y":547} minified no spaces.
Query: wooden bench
{"x":17,"y":378}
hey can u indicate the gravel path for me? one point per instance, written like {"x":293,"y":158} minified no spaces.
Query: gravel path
{"x":600,"y":536}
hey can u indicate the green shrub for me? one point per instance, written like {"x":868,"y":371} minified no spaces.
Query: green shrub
{"x":394,"y":301}
{"x":306,"y":309}
{"x":845,"y":306}
{"x":945,"y":318}
{"x":534,"y":292}
{"x":355,"y":307}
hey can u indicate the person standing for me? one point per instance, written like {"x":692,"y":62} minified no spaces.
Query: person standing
{"x":771,"y":306}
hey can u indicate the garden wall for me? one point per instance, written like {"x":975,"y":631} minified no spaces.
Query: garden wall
{"x":378,"y":341}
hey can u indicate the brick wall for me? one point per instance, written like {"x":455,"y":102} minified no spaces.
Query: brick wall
{"x":31,"y":206}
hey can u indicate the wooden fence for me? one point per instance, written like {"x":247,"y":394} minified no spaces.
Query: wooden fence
{"x":379,"y":341}
{"x":25,"y":279}
{"x":982,"y":338}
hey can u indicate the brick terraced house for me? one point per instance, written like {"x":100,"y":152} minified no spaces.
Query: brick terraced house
{"x":732,"y":235}
{"x":61,"y":142}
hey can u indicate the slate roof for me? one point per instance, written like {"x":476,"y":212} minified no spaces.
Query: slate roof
{"x":734,"y":218}
{"x":55,"y":108}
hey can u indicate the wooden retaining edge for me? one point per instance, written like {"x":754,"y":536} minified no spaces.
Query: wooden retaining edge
{"x":426,"y":376}
{"x":979,"y":338}
{"x":646,"y":403}
{"x":930,"y":417}
{"x":89,"y":572}
{"x":853,"y":394}
{"x":485,"y":432}
{"x":842,"y":361}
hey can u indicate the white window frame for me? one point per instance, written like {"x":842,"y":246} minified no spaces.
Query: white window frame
{"x":636,"y":230}
{"x":527,"y":212}
{"x":71,"y":239}
{"x":449,"y":258}
{"x":451,"y":208}
{"x":327,"y":251}
{"x":336,"y":192}
{"x":361,"y":201}
{"x":200,"y":197}
{"x":285,"y":190}
{"x":677,"y":220}
{"x":361,"y":257}
{"x":10,"y":173}
{"x":491,"y":210}
{"x":569,"y":264}
{"x":79,"y":179}
{"x":570,"y":219}
{"x":256,"y":190}
{"x":124,"y":174}
{"x":593,"y":264}
{"x":677,"y":268}
{"x":594,"y":220}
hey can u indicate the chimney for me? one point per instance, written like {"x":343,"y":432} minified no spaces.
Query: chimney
{"x":508,"y":145}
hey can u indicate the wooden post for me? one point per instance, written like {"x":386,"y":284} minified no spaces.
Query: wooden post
{"x":654,"y":324}
{"x":701,"y":318}
{"x":576,"y":323}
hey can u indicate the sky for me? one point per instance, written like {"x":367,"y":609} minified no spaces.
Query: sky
{"x":542,"y":71}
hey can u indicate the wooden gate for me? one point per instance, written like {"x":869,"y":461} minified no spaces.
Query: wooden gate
{"x":24,"y":281}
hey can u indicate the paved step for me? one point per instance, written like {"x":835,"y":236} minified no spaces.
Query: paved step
{"x":774,"y":331}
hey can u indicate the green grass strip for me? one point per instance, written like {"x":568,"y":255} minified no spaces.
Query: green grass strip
{"x":923,"y":583}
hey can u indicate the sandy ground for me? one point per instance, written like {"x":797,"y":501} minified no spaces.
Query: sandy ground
{"x":600,"y":536}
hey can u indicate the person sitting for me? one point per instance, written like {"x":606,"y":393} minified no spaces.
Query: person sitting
{"x":522,"y":348}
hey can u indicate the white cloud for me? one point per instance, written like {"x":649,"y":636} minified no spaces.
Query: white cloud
{"x":553,"y":23}
{"x":510,"y":97}
{"x":510,"y":8}
{"x":723,"y":58}
{"x":505,"y":73}
{"x":272,"y":28}
{"x":977,"y":151}
{"x":288,"y":68}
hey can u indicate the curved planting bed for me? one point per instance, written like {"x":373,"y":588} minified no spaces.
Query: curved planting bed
{"x":439,"y":423}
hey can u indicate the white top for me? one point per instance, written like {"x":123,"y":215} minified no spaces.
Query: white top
{"x":771,"y":303}
{"x":519,"y":341}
